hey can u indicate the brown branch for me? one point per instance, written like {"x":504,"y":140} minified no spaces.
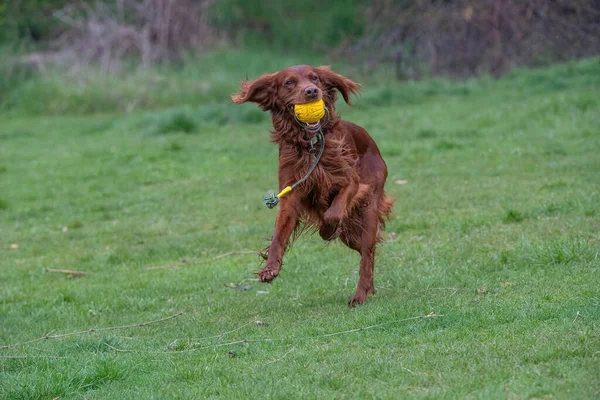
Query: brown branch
{"x":92,"y":330}
{"x":118,"y":350}
{"x":67,"y":271}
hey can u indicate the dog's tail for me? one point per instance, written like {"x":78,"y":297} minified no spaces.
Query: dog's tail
{"x":384,"y":210}
{"x":385,"y":206}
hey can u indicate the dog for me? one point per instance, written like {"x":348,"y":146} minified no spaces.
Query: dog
{"x":343,"y":197}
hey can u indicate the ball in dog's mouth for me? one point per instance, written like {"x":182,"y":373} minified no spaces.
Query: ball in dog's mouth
{"x":310,"y":113}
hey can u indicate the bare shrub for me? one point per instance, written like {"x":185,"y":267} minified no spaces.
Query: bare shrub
{"x":107,"y":33}
{"x":463,"y":38}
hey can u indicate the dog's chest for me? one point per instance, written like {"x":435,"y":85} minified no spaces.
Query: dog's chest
{"x":334,"y":171}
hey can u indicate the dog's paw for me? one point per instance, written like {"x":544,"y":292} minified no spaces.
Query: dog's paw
{"x":330,"y":232}
{"x":358,"y":298}
{"x":332,"y":217}
{"x":267,"y":274}
{"x":331,"y":227}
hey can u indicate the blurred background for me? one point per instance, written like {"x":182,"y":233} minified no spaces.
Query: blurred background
{"x":73,"y":56}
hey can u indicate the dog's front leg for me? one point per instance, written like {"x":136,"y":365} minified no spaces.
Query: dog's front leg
{"x":287,"y":220}
{"x":338,"y":210}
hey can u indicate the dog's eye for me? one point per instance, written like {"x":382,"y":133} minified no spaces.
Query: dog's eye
{"x":289,"y":82}
{"x":314,"y":78}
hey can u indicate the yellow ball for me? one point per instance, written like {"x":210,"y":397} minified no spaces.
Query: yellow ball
{"x":310,"y":112}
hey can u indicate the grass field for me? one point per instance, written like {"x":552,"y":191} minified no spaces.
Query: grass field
{"x":495,"y":229}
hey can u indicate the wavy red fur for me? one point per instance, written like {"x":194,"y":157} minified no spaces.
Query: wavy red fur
{"x":344,"y":196}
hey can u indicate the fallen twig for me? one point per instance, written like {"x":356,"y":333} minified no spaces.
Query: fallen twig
{"x":219,"y":336}
{"x":214,"y":345}
{"x":92,"y":330}
{"x":70,"y":272}
{"x":176,"y":266}
{"x":430,"y":315}
{"x":454,"y":290}
{"x":239,"y":286}
{"x":231,"y":253}
{"x":20,"y":357}
{"x":242,"y":341}
{"x":222,"y":345}
{"x":118,"y":350}
{"x":283,"y":356}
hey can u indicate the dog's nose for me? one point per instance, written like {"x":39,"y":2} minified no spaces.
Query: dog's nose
{"x":311,"y":92}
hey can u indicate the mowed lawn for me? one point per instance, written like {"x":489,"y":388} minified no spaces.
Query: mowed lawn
{"x":495,"y":231}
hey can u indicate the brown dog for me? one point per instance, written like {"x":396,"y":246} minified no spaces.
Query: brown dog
{"x":343,"y":197}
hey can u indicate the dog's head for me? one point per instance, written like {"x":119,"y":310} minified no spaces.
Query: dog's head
{"x":279,"y":92}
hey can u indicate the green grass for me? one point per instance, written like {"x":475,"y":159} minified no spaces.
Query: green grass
{"x":204,"y":79}
{"x":497,"y":229}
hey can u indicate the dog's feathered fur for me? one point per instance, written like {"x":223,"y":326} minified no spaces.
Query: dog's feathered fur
{"x":344,"y":196}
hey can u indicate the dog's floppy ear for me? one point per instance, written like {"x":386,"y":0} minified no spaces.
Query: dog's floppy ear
{"x":334,"y":81}
{"x":262,"y":91}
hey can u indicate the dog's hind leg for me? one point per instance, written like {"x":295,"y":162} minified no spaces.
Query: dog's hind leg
{"x":361,"y":234}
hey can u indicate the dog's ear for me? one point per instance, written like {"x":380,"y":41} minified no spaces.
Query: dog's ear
{"x":333,"y":80}
{"x":262,"y":91}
